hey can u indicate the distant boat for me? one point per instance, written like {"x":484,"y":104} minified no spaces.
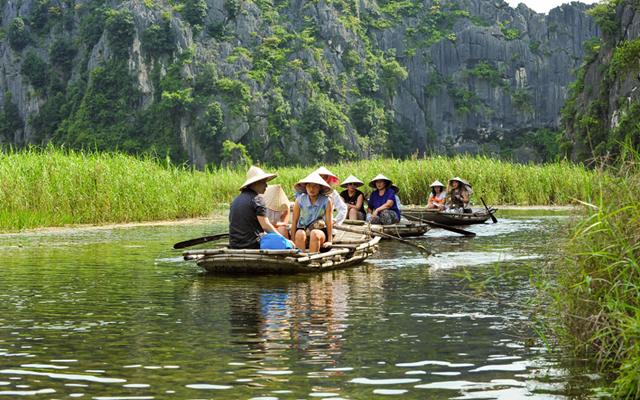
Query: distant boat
{"x":451,"y":219}
{"x":402,"y":229}
{"x":241,"y":261}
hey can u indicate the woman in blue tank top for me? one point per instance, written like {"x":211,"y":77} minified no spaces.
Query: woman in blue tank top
{"x":313,"y":205}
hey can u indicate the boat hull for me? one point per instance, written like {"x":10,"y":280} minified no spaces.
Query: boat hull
{"x":281,"y":261}
{"x":451,"y":219}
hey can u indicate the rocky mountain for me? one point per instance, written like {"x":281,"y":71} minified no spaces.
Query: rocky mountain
{"x":289,"y":81}
{"x":603,"y":110}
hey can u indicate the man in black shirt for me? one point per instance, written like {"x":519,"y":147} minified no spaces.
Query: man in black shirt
{"x":248,"y":214}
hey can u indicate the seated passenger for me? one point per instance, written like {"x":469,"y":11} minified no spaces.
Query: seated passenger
{"x":338,"y":204}
{"x":310,"y":213}
{"x":382,"y":209}
{"x":248,"y":213}
{"x":459,"y":192}
{"x":353,"y":198}
{"x":278,"y":208}
{"x":438,"y":198}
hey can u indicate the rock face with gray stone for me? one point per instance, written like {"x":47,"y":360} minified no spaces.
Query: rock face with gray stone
{"x":609,"y":89}
{"x":534,"y":55}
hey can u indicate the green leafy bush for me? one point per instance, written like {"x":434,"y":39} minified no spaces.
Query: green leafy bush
{"x":18,"y":34}
{"x":195,"y":11}
{"x":604,"y":13}
{"x":10,"y":120}
{"x":464,"y":100}
{"x":522,"y":100}
{"x":625,"y":58}
{"x":35,"y":70}
{"x":216,"y":30}
{"x":120,"y":30}
{"x":434,"y":85}
{"x":367,"y":116}
{"x":62,"y":53}
{"x":210,"y":128}
{"x":392,"y":75}
{"x":159,"y":39}
{"x":368,"y":81}
{"x":50,"y":118}
{"x":534,"y":46}
{"x":236,"y":94}
{"x":39,"y":17}
{"x":232,"y":6}
{"x":350,"y":59}
{"x":207,"y":79}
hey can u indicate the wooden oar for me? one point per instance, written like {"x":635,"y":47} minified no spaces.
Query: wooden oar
{"x":494,"y":219}
{"x":381,"y":234}
{"x":441,"y":226}
{"x":204,"y":239}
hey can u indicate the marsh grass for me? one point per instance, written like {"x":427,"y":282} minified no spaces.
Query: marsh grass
{"x":56,"y":187}
{"x":596,"y":296}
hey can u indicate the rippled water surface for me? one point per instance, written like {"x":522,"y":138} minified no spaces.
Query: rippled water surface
{"x":117,"y":314}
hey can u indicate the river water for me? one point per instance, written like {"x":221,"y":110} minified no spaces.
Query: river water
{"x":117,"y":314}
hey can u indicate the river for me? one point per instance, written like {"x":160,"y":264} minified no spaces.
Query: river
{"x":117,"y":314}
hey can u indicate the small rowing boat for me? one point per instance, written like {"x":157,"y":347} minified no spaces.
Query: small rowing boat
{"x":401,"y":230}
{"x":240,"y":261}
{"x":451,"y":219}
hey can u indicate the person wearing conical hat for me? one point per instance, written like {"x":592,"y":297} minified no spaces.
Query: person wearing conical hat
{"x":353,"y":198}
{"x":248,"y":213}
{"x":438,"y":197}
{"x":338,"y":204}
{"x":382,"y":208}
{"x":278,"y":211}
{"x":458,"y":189}
{"x":312,"y":212}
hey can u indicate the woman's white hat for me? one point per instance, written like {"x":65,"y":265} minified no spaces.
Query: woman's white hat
{"x":314,"y":177}
{"x":256,"y":174}
{"x":333,"y":180}
{"x":436,"y":183}
{"x":352,"y":179}
{"x":380,"y":177}
{"x":276,"y":198}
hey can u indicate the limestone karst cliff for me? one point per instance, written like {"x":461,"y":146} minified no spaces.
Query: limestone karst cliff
{"x":290,"y":81}
{"x":603,"y":110}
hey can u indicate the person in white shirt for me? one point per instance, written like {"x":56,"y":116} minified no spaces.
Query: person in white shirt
{"x":438,"y":197}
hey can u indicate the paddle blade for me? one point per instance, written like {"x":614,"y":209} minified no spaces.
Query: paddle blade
{"x":493,"y":218}
{"x":204,"y":239}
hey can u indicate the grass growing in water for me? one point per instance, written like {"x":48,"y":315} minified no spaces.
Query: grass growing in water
{"x":596,"y":296}
{"x":56,"y":187}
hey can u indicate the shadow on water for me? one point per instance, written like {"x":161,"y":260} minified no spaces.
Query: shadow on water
{"x":116,"y":314}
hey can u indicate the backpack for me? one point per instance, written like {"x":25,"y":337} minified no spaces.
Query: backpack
{"x":273,"y":241}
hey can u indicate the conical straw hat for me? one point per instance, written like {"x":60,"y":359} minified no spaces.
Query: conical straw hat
{"x":436,"y":183}
{"x":314,"y":177}
{"x":333,"y":180}
{"x":464,"y":183}
{"x":276,"y":198}
{"x":352,"y":179}
{"x":372,"y":183}
{"x":256,"y":174}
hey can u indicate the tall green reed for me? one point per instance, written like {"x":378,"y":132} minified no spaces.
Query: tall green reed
{"x":54,"y":187}
{"x":596,"y":296}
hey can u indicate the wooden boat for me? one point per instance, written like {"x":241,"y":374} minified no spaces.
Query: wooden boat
{"x":283,"y":261}
{"x":451,"y":219}
{"x":401,"y":230}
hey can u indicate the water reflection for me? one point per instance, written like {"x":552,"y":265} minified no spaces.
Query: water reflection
{"x":116,"y":314}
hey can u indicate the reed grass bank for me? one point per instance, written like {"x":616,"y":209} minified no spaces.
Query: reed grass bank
{"x":595,"y":294}
{"x":56,"y":187}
